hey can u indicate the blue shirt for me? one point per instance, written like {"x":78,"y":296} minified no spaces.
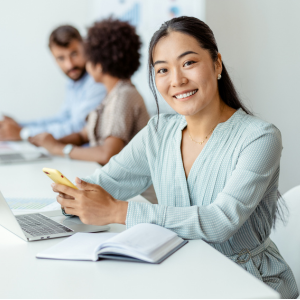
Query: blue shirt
{"x":228,"y":200}
{"x":82,"y":97}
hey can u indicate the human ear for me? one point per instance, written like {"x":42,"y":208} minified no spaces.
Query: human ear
{"x":218,"y":64}
{"x":98,"y":68}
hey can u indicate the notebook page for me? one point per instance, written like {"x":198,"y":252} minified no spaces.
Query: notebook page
{"x":141,"y":238}
{"x":152,"y":258}
{"x":80,"y":246}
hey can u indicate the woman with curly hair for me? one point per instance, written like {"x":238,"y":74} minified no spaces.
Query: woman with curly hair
{"x":112,"y":51}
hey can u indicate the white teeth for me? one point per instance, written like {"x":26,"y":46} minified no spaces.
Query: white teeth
{"x":185,"y":95}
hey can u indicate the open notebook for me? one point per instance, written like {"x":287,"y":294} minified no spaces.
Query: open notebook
{"x":141,"y":243}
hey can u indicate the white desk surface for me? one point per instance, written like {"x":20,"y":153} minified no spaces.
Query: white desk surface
{"x":195,"y":271}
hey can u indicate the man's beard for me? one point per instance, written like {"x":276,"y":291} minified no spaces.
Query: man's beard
{"x":83,"y":71}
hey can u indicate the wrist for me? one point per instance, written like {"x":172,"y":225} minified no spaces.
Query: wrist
{"x":120,"y":212}
{"x":57,"y":149}
{"x":24,"y":133}
{"x":67,"y":150}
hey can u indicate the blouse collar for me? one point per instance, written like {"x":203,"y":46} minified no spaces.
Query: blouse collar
{"x":233,"y":120}
{"x":114,"y":91}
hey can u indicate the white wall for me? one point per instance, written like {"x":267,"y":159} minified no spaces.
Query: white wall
{"x":31,"y":85}
{"x":260,"y":43}
{"x":147,"y":16}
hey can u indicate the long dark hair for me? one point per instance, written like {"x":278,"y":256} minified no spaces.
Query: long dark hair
{"x":205,"y":37}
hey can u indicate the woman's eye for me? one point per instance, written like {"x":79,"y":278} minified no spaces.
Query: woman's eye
{"x":188,"y":63}
{"x":162,"y":71}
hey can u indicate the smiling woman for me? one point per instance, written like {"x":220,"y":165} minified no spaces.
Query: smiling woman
{"x":183,"y":28}
{"x":214,"y":166}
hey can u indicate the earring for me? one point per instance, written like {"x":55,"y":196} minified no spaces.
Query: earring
{"x":219,"y":76}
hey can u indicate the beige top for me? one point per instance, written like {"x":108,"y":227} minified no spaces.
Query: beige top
{"x":121,"y":114}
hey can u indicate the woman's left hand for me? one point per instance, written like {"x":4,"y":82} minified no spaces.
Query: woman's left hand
{"x":91,"y":203}
{"x":47,"y":141}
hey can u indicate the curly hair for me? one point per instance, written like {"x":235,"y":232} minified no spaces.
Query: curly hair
{"x":115,"y":45}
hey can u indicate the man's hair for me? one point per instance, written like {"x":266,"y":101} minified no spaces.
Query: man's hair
{"x":115,"y":45}
{"x":63,"y":35}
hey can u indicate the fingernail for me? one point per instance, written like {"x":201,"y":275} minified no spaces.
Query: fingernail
{"x":79,"y":180}
{"x":52,"y":184}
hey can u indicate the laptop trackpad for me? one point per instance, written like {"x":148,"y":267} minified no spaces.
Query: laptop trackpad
{"x":75,"y":224}
{"x":67,"y":221}
{"x":74,"y":220}
{"x":56,"y":215}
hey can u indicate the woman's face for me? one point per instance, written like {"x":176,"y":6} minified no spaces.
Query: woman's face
{"x":95,"y":71}
{"x":185,"y":74}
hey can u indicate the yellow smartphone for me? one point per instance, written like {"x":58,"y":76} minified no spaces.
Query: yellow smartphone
{"x":59,"y":178}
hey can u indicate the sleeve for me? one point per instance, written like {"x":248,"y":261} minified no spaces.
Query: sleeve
{"x":69,"y":119}
{"x":43,"y":125}
{"x":127,"y":174}
{"x":257,"y":166}
{"x":120,"y":116}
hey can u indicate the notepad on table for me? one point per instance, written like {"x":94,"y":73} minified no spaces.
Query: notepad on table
{"x":141,"y":243}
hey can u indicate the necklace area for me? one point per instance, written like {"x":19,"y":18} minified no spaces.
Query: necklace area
{"x":200,"y":143}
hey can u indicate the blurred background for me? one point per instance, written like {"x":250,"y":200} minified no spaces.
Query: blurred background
{"x":258,"y":39}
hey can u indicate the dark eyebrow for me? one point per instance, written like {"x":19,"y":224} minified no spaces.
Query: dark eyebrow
{"x":159,"y":62}
{"x":180,"y":56}
{"x":186,"y":53}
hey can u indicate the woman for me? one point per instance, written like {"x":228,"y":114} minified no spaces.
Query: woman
{"x":112,"y":51}
{"x":214,"y":166}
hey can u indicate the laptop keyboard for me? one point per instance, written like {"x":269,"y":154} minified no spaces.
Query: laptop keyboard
{"x":11,"y":157}
{"x":38,"y":224}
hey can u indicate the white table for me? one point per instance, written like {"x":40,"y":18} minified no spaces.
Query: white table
{"x":195,"y":271}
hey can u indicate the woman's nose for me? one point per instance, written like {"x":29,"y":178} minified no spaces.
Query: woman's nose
{"x":178,"y":79}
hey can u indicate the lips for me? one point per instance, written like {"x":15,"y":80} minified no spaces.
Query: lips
{"x":73,"y":70}
{"x":185,"y":94}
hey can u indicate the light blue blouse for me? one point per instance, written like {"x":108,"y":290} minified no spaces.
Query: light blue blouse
{"x":228,"y":200}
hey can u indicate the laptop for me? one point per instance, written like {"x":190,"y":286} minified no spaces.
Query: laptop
{"x":20,"y":152}
{"x":42,"y":226}
{"x":18,"y":157}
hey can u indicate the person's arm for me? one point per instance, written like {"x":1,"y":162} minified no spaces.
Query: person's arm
{"x":78,"y":138}
{"x":101,"y":154}
{"x":60,"y":116}
{"x":255,"y":175}
{"x":9,"y":129}
{"x":128,"y":174}
{"x":54,"y":146}
{"x":72,"y":115}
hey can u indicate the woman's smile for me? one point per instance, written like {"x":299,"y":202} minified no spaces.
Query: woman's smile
{"x":185,"y":95}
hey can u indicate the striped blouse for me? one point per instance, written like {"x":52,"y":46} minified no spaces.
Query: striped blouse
{"x":228,"y":200}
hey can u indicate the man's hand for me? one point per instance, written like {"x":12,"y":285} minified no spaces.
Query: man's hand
{"x":91,"y":203}
{"x":47,"y":141}
{"x":9,"y":130}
